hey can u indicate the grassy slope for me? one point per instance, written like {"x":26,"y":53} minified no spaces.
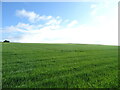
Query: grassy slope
{"x":59,"y":66}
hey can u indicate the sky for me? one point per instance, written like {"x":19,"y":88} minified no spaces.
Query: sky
{"x":61,"y":22}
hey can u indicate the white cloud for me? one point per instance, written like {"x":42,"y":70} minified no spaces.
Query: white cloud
{"x":28,"y":27}
{"x":93,"y":6}
{"x":105,"y":17}
{"x":82,"y":34}
{"x":94,"y":11}
{"x":49,"y":17}
{"x":74,"y":22}
{"x":54,"y":22}
{"x":32,"y":16}
{"x":58,"y":17}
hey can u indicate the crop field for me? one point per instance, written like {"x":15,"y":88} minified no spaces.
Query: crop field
{"x":35,"y":65}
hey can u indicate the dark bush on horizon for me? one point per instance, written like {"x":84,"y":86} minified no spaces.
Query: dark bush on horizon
{"x":6,"y":41}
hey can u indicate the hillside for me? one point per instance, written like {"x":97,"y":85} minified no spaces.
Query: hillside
{"x":33,"y":65}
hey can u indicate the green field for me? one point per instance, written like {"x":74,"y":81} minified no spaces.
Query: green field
{"x":27,"y":65}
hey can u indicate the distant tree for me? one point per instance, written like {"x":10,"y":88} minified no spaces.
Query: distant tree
{"x":6,"y":41}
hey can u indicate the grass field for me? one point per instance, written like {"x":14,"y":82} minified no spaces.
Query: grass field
{"x":28,"y":65}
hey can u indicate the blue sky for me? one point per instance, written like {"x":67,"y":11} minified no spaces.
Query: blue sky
{"x":67,"y":10}
{"x":60,"y":22}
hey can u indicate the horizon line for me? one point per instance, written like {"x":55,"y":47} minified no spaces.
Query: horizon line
{"x":61,"y":43}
